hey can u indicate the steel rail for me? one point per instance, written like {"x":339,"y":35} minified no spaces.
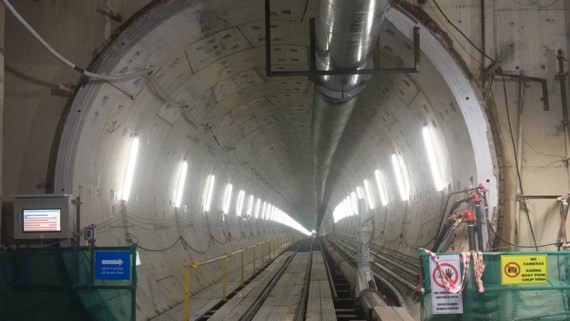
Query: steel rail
{"x":258,"y":303}
{"x":301,"y":310}
{"x":396,"y":276}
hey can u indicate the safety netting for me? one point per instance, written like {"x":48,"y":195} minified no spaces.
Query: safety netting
{"x":513,"y":286}
{"x":68,"y":284}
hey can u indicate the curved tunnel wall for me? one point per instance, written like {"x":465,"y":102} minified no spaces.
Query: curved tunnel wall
{"x":214,"y":107}
{"x":389,"y":120}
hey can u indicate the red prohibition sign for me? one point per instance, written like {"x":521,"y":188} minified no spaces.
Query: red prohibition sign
{"x":438,"y":279}
{"x":512,"y":269}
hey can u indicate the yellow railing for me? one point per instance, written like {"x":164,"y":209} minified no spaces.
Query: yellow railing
{"x":275,"y":250}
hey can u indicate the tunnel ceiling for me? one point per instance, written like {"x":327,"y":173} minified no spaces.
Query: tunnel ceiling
{"x":208,"y":100}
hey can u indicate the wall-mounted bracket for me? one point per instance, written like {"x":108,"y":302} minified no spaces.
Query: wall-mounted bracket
{"x":498,"y":72}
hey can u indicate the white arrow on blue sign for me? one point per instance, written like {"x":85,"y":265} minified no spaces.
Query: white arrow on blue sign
{"x":113,"y":265}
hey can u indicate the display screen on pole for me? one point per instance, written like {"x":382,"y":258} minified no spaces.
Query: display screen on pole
{"x":42,"y":220}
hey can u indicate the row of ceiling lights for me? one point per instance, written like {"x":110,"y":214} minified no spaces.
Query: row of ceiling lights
{"x":349,"y":205}
{"x":265,"y":210}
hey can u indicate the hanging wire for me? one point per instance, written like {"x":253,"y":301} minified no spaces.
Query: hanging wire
{"x":539,"y":152}
{"x":517,"y":160}
{"x":535,"y":3}
{"x":60,"y":57}
{"x":463,"y":34}
{"x":516,"y":245}
{"x":195,"y":250}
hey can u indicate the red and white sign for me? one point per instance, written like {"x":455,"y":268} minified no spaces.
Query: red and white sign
{"x":442,"y":301}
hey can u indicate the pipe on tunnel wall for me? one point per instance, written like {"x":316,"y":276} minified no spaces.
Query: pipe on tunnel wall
{"x":368,"y":298}
{"x":346,"y":33}
{"x":328,"y":123}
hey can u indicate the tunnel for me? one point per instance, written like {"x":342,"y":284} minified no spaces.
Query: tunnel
{"x":207,"y":101}
{"x":193,"y":149}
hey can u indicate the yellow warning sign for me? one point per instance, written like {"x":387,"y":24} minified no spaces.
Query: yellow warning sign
{"x":524,"y":269}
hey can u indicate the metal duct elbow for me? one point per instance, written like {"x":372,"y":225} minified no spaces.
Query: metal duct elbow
{"x":346,"y":34}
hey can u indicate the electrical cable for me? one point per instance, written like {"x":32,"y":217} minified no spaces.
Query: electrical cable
{"x":516,"y":245}
{"x":60,"y":57}
{"x":539,"y":152}
{"x":536,"y":3}
{"x":440,"y":226}
{"x":154,"y":250}
{"x":164,"y":95}
{"x":463,"y":34}
{"x":157,"y":250}
{"x":216,"y":241}
{"x":516,"y":159}
{"x":195,"y":250}
{"x":180,"y":239}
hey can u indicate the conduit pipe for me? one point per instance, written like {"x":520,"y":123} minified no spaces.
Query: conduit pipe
{"x":60,"y":57}
{"x":368,"y":299}
{"x":346,"y":33}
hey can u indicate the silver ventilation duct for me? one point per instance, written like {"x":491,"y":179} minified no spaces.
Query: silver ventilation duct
{"x":346,"y":33}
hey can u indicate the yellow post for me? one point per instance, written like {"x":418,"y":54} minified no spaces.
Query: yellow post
{"x":186,"y":292}
{"x":254,"y":259}
{"x":242,"y":267}
{"x":262,"y":256}
{"x":225,"y":278}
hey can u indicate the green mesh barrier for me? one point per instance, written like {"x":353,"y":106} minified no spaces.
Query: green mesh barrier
{"x":60,"y":284}
{"x":517,"y":287}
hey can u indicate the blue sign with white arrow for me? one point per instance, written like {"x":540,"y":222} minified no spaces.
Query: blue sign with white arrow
{"x":112,"y":265}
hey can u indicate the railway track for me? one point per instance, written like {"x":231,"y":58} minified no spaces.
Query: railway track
{"x":398,"y":271}
{"x":300,"y":285}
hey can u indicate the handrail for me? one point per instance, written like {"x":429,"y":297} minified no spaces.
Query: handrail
{"x":196,"y":264}
{"x":283,"y":243}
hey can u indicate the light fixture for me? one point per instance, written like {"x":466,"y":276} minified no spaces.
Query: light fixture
{"x":249,"y":210}
{"x":381,"y":187}
{"x":434,"y":163}
{"x":208,"y":193}
{"x":369,"y":197}
{"x":179,"y":191}
{"x":345,"y":208}
{"x":257,"y":207}
{"x":263,"y":210}
{"x":227,"y":198}
{"x":354,"y":203}
{"x":239,"y":203}
{"x":401,"y":176}
{"x":130,"y":169}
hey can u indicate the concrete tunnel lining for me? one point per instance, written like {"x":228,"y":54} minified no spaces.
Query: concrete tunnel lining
{"x":86,"y":155}
{"x":455,"y":77}
{"x":462,"y":93}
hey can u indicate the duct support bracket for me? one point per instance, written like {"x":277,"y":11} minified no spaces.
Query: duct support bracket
{"x":496,"y":71}
{"x":313,"y":74}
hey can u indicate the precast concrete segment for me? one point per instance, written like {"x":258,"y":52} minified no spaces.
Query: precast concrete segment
{"x":246,"y":133}
{"x":469,"y":101}
{"x":108,"y":61}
